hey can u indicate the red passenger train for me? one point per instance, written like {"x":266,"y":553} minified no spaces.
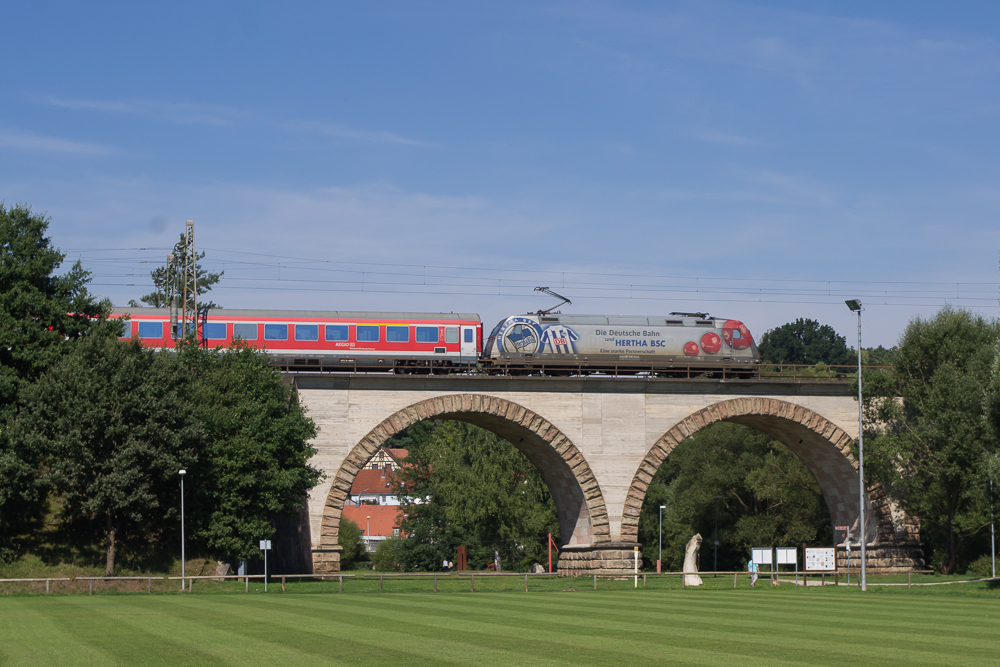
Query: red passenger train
{"x":309,"y":338}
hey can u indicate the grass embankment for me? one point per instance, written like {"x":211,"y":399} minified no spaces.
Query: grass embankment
{"x":563,"y":622}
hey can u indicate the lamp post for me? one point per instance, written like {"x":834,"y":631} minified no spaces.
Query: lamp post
{"x":182,"y":473}
{"x":717,"y":498}
{"x":659,"y":558}
{"x":368,"y":533}
{"x":856,"y":307}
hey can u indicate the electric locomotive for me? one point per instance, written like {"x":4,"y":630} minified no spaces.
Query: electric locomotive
{"x":680,"y":342}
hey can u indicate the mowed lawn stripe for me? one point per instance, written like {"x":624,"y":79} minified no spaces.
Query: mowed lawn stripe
{"x":603,"y":628}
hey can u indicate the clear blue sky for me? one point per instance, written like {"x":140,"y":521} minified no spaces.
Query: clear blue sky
{"x":762,"y":161}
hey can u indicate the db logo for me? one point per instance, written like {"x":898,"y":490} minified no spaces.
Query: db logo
{"x":560,"y":341}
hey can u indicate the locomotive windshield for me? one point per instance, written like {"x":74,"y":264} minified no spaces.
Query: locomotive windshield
{"x":488,"y":348}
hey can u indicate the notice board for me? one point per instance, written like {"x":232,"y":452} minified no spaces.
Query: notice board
{"x":821,"y":559}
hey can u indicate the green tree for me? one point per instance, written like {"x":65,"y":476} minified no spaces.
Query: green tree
{"x":463,"y":485}
{"x":255,"y":463}
{"x":160,"y":297}
{"x":388,"y":556}
{"x":112,"y":425}
{"x":928,"y":442}
{"x":42,"y":314}
{"x":804,"y":341}
{"x":768,"y":497}
{"x":349,"y":538}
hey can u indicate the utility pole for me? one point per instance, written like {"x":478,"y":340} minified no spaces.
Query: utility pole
{"x":189,"y":286}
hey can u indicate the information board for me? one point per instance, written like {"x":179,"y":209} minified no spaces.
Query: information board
{"x":787,"y":555}
{"x":821,"y":559}
{"x":761,"y":555}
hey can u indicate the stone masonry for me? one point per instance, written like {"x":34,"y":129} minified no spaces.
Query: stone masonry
{"x":597,"y":444}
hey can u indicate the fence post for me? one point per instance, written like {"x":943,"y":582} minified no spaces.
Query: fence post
{"x":91,"y":587}
{"x":683,"y":581}
{"x":643,"y":580}
{"x":435,"y":582}
{"x":190,"y":584}
{"x":246,"y":583}
{"x":341,"y":577}
{"x":46,"y":585}
{"x":380,"y":583}
{"x":525,"y":583}
{"x":472,"y":582}
{"x":149,"y":585}
{"x":282,"y":584}
{"x":735,"y":574}
{"x":595,"y":582}
{"x":908,"y":582}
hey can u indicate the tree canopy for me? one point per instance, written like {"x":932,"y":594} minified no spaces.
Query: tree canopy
{"x":928,"y":441}
{"x":255,"y":462}
{"x":463,"y":485}
{"x":112,"y":424}
{"x":804,"y":341}
{"x":42,"y":314}
{"x":768,"y":497}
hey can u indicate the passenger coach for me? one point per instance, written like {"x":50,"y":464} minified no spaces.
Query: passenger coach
{"x":297,"y":338}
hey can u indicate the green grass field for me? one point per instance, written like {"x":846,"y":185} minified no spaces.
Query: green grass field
{"x":615,"y":625}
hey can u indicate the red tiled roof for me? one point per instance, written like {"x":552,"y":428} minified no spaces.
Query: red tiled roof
{"x":383,"y":518}
{"x":374,"y":481}
{"x":398,"y":454}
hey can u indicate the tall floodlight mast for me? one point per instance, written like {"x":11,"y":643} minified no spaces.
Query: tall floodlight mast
{"x":189,"y":286}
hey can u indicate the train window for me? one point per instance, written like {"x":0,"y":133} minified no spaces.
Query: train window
{"x":397,"y":334}
{"x":335,"y":332}
{"x":469,"y":333}
{"x":150,"y":329}
{"x":275,"y":332}
{"x":245,"y":330}
{"x":367,"y":333}
{"x":306,"y":332}
{"x":126,"y":330}
{"x":214,"y":331}
{"x":451,"y":334}
{"x":427,"y":334}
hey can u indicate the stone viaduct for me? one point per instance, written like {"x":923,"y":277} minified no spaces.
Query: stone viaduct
{"x":597,"y":443}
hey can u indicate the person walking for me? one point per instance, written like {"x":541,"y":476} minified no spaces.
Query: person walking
{"x":752,"y":568}
{"x":445,"y":564}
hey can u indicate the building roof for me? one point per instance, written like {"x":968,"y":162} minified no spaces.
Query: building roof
{"x":398,"y":454}
{"x":383,"y":518}
{"x":374,"y":481}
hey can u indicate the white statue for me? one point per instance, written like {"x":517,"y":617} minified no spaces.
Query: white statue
{"x":691,"y":561}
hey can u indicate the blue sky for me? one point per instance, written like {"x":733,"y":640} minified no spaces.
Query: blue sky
{"x":762,"y":161}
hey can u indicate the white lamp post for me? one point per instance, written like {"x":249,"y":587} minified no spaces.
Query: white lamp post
{"x":182,"y":473}
{"x":855,"y":306}
{"x":368,"y":533}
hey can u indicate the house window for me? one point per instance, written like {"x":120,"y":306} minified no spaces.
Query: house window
{"x":395,"y":532}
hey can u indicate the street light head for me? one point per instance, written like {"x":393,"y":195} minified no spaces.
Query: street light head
{"x":853,"y":304}
{"x":182,"y":472}
{"x":663,"y":507}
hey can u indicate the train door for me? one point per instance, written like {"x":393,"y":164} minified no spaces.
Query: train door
{"x":468,"y":343}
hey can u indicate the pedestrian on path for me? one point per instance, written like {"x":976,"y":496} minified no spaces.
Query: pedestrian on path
{"x":752,"y":568}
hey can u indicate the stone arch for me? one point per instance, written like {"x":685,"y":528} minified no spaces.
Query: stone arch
{"x":821,"y":445}
{"x":583,"y":517}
